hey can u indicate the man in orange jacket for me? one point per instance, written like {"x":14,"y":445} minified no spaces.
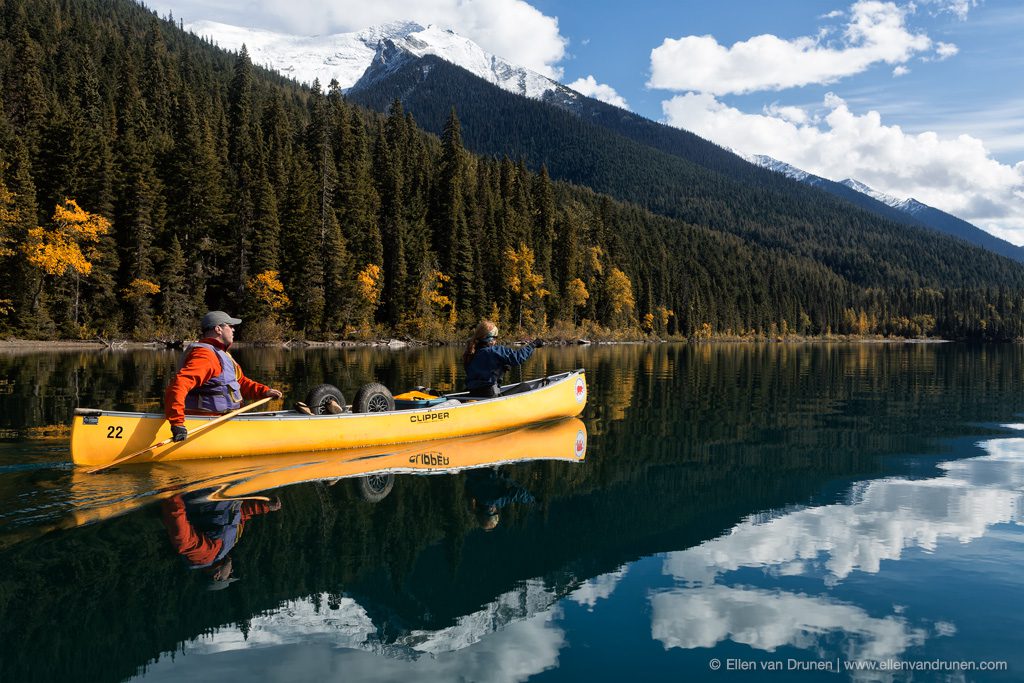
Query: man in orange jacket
{"x":209,"y":381}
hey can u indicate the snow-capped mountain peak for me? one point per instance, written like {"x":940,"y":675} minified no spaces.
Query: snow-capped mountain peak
{"x":346,"y":57}
{"x":888,"y":199}
{"x":911,"y":206}
{"x":777,"y":166}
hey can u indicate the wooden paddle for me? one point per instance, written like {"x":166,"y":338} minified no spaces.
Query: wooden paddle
{"x":197,"y":430}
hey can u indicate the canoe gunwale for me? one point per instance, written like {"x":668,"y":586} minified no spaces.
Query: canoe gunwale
{"x":289,"y":415}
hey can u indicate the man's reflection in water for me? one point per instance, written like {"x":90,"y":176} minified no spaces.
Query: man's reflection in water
{"x":489,"y":491}
{"x":204,"y":532}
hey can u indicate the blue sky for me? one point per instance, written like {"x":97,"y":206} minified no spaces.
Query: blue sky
{"x":955,"y":95}
{"x":958,"y":94}
{"x":920,"y":99}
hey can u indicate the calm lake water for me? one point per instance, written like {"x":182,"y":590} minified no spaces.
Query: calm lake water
{"x":751,"y":512}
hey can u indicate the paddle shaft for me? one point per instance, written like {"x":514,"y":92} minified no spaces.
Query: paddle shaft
{"x":198,"y":430}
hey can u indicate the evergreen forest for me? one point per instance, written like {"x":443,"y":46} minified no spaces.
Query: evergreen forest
{"x":147,"y":176}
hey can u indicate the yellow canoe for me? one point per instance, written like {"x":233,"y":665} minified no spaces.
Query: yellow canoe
{"x":99,"y":437}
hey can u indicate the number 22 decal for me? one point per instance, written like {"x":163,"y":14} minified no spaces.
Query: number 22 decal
{"x":114,"y":432}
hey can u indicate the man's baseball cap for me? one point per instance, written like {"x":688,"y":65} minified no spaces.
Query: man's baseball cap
{"x":214,"y":318}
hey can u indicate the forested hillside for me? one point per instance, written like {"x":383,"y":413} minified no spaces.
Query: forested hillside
{"x":146,"y":176}
{"x":678,"y":174}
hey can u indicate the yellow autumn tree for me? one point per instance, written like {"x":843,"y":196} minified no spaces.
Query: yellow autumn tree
{"x":576,"y":296}
{"x":619,"y":293}
{"x":267,"y":293}
{"x":434,"y":314}
{"x":440,"y":303}
{"x":526,"y":286}
{"x":57,"y":250}
{"x":369,"y":285}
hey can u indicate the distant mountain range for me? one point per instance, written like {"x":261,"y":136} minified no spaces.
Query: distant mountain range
{"x":908,"y":210}
{"x":368,"y":63}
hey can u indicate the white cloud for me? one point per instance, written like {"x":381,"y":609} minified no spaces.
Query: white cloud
{"x":955,"y":174}
{"x":960,"y":8}
{"x":599,"y":91}
{"x":792,"y":114}
{"x":945,"y":50}
{"x":512,"y":29}
{"x":900,"y":71}
{"x":876,"y":32}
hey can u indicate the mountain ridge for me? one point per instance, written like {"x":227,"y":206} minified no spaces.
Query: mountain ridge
{"x":917,"y":212}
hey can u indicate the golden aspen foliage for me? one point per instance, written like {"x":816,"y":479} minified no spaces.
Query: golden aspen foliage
{"x":436,"y":294}
{"x":862,"y":322}
{"x":370,"y":284}
{"x":526,"y":285}
{"x":619,"y":290}
{"x":434,"y":315}
{"x":439,"y":301}
{"x":576,"y":296}
{"x":369,"y":287}
{"x":594,"y":256}
{"x":662,"y":317}
{"x":57,"y":250}
{"x":576,"y":293}
{"x":705,"y":331}
{"x":140,"y":288}
{"x":267,"y":292}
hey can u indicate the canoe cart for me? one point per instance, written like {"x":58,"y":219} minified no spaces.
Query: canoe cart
{"x":99,"y":437}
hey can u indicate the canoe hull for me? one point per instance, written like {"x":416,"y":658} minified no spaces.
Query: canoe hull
{"x":101,"y":437}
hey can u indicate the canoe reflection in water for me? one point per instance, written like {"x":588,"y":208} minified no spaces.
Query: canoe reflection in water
{"x":204,"y":532}
{"x":95,"y":498}
{"x":488,"y":491}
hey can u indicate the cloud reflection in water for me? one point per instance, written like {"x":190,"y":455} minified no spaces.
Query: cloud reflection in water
{"x":882,"y":519}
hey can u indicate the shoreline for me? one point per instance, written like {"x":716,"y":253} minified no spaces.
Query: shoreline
{"x":398,"y":344}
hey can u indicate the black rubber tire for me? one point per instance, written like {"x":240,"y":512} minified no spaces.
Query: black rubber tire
{"x":319,"y":396}
{"x":374,"y":488}
{"x":373,"y":398}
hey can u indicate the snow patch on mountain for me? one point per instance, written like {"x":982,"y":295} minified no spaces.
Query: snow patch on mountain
{"x":779,"y":167}
{"x":346,"y":57}
{"x":888,"y":199}
{"x":911,"y":205}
